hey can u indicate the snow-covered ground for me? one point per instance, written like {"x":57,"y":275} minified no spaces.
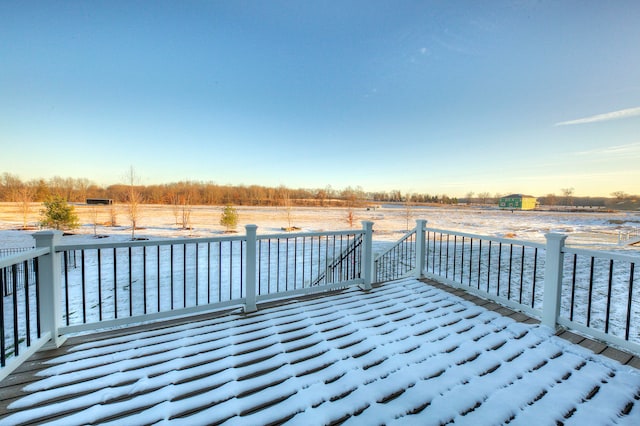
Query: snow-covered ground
{"x":589,"y":229}
{"x":594,"y":229}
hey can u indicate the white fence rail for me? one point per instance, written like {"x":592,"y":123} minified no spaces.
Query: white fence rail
{"x":631,"y":237}
{"x":21,"y":327}
{"x":69,"y":288}
{"x":110,"y":284}
{"x":594,"y":292}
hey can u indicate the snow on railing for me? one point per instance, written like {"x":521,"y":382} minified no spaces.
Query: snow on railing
{"x":21,"y":333}
{"x":593,"y":292}
{"x":301,"y":261}
{"x":79,"y":287}
{"x":506,"y":269}
{"x":126,"y":282}
{"x":629,"y":237}
{"x":116,"y":283}
{"x":398,"y":260}
{"x":14,"y":278}
{"x":601,"y":294}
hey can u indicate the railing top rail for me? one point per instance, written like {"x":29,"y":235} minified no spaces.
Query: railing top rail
{"x":21,"y":257}
{"x":400,"y":241}
{"x":489,"y":238}
{"x":309,"y":234}
{"x":173,"y":241}
{"x":147,"y":243}
{"x":13,"y":250}
{"x":602,"y":254}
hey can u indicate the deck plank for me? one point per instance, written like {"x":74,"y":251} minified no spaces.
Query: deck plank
{"x":595,"y":346}
{"x":397,"y":351}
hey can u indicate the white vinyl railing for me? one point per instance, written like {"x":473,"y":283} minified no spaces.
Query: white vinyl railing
{"x":80,"y":287}
{"x":68,"y":288}
{"x":629,"y":237}
{"x":22,"y":331}
{"x":593,"y":292}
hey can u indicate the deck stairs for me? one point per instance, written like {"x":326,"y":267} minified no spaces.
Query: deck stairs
{"x":629,"y":238}
{"x":336,"y":265}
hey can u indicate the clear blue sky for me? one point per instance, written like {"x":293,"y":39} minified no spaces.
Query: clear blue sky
{"x":421,"y":96}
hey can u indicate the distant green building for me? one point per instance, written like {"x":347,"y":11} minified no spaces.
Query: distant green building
{"x":518,"y":202}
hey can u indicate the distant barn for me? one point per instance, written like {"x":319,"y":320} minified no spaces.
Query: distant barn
{"x":518,"y":202}
{"x":104,"y":201}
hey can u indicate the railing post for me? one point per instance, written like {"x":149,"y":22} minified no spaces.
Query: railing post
{"x":552,"y":279}
{"x":367,"y":255}
{"x":49,"y":277}
{"x":420,"y":247}
{"x":250,"y":268}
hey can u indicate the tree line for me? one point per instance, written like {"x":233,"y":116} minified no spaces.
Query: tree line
{"x":12,"y":188}
{"x":566,"y":198}
{"x":78,"y":190}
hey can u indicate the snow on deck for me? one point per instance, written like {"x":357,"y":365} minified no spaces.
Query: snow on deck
{"x":403,"y":353}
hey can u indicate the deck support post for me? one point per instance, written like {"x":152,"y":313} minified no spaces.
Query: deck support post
{"x":250,"y":268}
{"x":49,"y":277}
{"x":553,"y":280}
{"x":420,"y":247}
{"x":367,"y":255}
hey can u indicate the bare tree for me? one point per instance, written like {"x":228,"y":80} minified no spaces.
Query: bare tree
{"x":286,"y":203}
{"x":568,"y":196}
{"x":23,"y":195}
{"x":134,"y":199}
{"x":41,"y":190}
{"x":350,"y":217}
{"x":350,"y":196}
{"x":408,"y":213}
{"x":186,"y":208}
{"x":81,"y":187}
{"x":62,"y":187}
{"x":469,"y":196}
{"x":9,"y":184}
{"x":113,"y":215}
{"x":186,"y":205}
{"x":94,"y":219}
{"x":484,"y":196}
{"x":321,"y":196}
{"x":174,"y":200}
{"x":619,"y":195}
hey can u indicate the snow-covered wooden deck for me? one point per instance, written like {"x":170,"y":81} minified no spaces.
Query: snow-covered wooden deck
{"x":406,"y":352}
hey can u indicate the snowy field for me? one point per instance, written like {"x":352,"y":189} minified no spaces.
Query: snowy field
{"x":126,"y":293}
{"x":597,"y":230}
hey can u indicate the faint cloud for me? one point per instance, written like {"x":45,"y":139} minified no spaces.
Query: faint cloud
{"x":627,"y":150}
{"x":371,"y":93}
{"x":456,"y":44}
{"x":423,"y":51}
{"x":615,"y":115}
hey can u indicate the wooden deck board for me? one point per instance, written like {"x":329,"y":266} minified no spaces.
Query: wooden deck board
{"x":597,"y":347}
{"x":247,"y":367}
